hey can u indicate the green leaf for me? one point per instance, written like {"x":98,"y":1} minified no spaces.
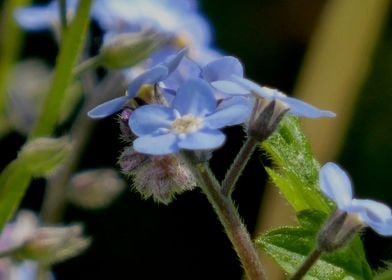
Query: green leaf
{"x":386,"y":273}
{"x":37,"y":158}
{"x":70,"y":50}
{"x":295,"y":169}
{"x":289,"y":246}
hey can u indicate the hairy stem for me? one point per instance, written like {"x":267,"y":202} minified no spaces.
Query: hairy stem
{"x":238,"y":166}
{"x":308,"y":263}
{"x":231,"y":221}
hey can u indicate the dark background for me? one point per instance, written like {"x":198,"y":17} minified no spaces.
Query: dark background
{"x":137,"y":239}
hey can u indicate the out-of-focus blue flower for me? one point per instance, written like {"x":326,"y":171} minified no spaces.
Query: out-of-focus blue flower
{"x":179,"y":20}
{"x":241,"y":86}
{"x":156,"y":74}
{"x":40,"y":17}
{"x":192,"y":122}
{"x":336,"y":185}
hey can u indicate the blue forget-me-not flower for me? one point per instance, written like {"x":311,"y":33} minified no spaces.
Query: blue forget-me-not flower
{"x":192,"y":122}
{"x":152,"y":76}
{"x":41,"y":17}
{"x":336,"y":185}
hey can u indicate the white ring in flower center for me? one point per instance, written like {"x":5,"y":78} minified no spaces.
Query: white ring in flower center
{"x":186,"y":124}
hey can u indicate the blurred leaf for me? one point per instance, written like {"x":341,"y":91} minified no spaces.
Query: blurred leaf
{"x":296,"y":170}
{"x":70,"y":49}
{"x":10,"y":44}
{"x":384,"y":274}
{"x":37,"y":158}
{"x":289,"y":246}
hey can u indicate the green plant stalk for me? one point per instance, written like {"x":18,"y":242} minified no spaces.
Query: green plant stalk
{"x":10,"y":44}
{"x":307,"y":264}
{"x":71,"y":47}
{"x":238,"y":166}
{"x":63,"y":14}
{"x":55,"y":199}
{"x":230,"y":219}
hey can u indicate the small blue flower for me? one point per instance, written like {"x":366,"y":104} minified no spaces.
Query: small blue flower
{"x":40,"y":17}
{"x":156,"y":74}
{"x":192,"y":122}
{"x":241,"y":86}
{"x":336,"y":185}
{"x":176,"y":19}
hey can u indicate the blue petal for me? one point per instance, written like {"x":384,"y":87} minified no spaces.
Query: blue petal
{"x":186,"y":70}
{"x":375,"y":214}
{"x":150,"y":118}
{"x":230,"y":88}
{"x":303,"y":109}
{"x":222,"y":69}
{"x":152,"y":76}
{"x":336,"y":185}
{"x":173,"y":61}
{"x":156,"y":144}
{"x":195,"y":97}
{"x":231,"y":115}
{"x":206,"y":139}
{"x":252,"y":86}
{"x":108,"y":108}
{"x":36,"y":18}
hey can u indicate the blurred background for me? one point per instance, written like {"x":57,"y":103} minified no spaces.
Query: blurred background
{"x":335,"y":54}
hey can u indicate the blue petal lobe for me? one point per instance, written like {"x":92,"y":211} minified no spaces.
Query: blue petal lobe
{"x":162,"y":144}
{"x":195,"y":97}
{"x":231,"y":115}
{"x":222,"y":69}
{"x":205,"y":139}
{"x":303,"y":109}
{"x":173,"y":61}
{"x":229,"y":87}
{"x":336,"y":185}
{"x":152,"y":76}
{"x":108,"y":108}
{"x":149,"y":118}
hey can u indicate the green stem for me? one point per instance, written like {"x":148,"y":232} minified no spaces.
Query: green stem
{"x":230,"y":219}
{"x":55,"y":198}
{"x":308,"y":263}
{"x":238,"y":166}
{"x":63,"y":14}
{"x":86,"y":65}
{"x":10,"y":251}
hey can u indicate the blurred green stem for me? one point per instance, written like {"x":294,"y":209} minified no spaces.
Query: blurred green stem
{"x":63,"y":14}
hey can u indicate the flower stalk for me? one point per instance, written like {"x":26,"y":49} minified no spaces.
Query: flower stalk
{"x":308,"y":263}
{"x":238,"y":166}
{"x":230,"y":219}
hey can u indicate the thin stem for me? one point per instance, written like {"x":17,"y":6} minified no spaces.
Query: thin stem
{"x":86,"y":65}
{"x":55,"y":198}
{"x":231,"y":221}
{"x":9,"y":251}
{"x":308,"y":263}
{"x":238,"y":166}
{"x":63,"y":13}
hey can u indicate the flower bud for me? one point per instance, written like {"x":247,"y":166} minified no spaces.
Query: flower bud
{"x":338,"y":231}
{"x":126,"y":133}
{"x":127,"y":49}
{"x":49,"y":245}
{"x":44,"y":155}
{"x":95,"y":188}
{"x":265,"y":118}
{"x":162,"y":177}
{"x":130,"y":160}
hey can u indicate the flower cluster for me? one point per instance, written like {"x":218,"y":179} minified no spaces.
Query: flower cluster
{"x":193,"y":104}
